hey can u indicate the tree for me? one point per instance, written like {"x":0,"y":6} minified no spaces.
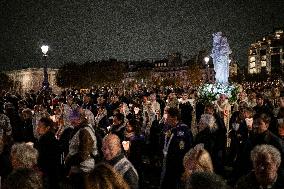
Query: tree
{"x":114,"y":71}
{"x":110,"y":71}
{"x":143,"y":73}
{"x":194,"y":74}
{"x":168,"y":82}
{"x":6,"y":82}
{"x":90,"y":73}
{"x":69,"y":75}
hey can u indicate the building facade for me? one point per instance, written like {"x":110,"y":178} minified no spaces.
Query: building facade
{"x":174,"y":68}
{"x":32,"y":78}
{"x":267,"y":55}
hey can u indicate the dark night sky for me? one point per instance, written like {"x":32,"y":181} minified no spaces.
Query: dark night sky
{"x":127,"y":29}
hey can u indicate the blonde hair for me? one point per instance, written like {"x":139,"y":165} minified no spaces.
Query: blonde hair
{"x":24,"y":154}
{"x":197,"y":159}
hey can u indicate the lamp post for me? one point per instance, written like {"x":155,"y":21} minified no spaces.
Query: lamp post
{"x":45,"y":83}
{"x":206,"y":59}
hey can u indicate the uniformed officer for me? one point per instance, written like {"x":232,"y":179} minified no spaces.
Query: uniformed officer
{"x":178,"y":140}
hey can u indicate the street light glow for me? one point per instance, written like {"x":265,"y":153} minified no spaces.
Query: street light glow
{"x":44,"y":49}
{"x":206,"y":59}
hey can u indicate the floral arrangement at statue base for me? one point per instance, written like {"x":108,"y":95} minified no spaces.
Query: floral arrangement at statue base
{"x":208,"y":93}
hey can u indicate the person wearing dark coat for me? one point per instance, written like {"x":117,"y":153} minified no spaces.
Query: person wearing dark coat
{"x":241,"y":135}
{"x":133,"y":145}
{"x":64,"y":141}
{"x":5,"y":162}
{"x":263,"y":107}
{"x":177,"y":141}
{"x":199,"y":110}
{"x":185,"y":110}
{"x":113,"y":105}
{"x":259,"y":135}
{"x":25,"y":130}
{"x":264,"y":136}
{"x":49,"y":153}
{"x":118,"y":126}
{"x":101,"y":120}
{"x":208,"y":135}
{"x":162,"y":103}
{"x":15,"y":121}
{"x":266,"y":160}
{"x":65,"y":138}
{"x":156,"y":139}
{"x":220,"y":133}
{"x":88,"y":104}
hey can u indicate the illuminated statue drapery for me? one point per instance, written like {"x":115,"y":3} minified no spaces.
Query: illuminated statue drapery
{"x":220,"y":55}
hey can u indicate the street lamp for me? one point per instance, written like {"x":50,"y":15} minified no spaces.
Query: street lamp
{"x":206,"y":59}
{"x":45,"y":83}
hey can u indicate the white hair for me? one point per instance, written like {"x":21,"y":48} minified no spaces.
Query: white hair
{"x":266,"y":150}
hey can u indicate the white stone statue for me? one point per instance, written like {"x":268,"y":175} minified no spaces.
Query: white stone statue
{"x":220,"y":55}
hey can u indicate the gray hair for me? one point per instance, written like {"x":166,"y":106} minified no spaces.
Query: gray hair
{"x":266,"y":150}
{"x":24,"y":154}
{"x":208,"y":121}
{"x":112,"y":140}
{"x":280,"y":123}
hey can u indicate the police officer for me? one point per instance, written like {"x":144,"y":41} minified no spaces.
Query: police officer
{"x":178,"y":140}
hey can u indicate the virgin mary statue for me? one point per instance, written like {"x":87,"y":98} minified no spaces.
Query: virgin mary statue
{"x":220,"y":55}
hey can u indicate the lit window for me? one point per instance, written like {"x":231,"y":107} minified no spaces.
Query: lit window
{"x":263,"y":57}
{"x":263,"y":63}
{"x":252,"y":59}
{"x":165,"y":64}
{"x":253,"y":70}
{"x":252,"y":64}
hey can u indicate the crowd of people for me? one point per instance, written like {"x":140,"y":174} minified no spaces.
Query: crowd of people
{"x":109,"y":137}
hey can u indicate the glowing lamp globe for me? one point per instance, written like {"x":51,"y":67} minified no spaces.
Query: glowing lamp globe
{"x":206,"y":59}
{"x":44,"y":49}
